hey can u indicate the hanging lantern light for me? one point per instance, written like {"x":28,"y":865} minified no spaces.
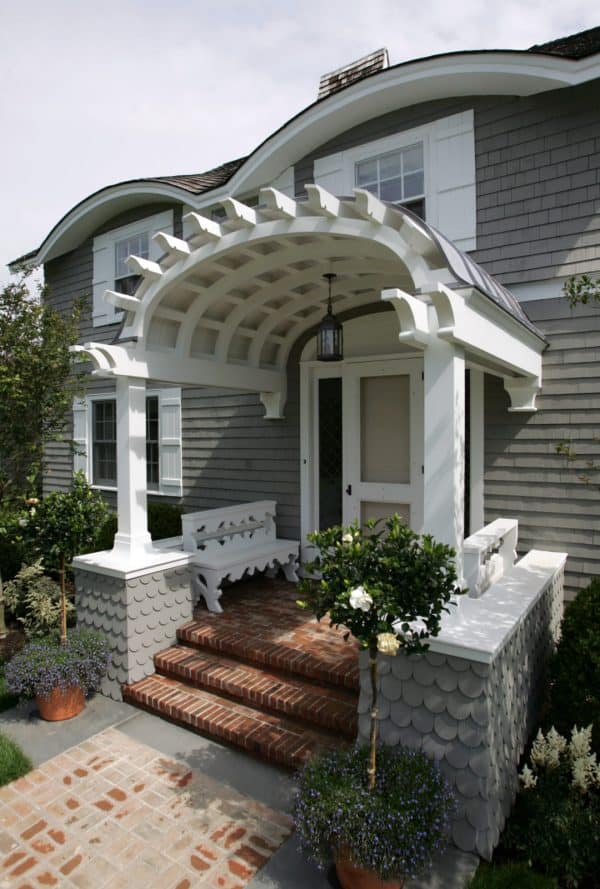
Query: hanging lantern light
{"x":330,"y":337}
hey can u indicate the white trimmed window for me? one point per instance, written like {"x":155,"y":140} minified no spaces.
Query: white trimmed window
{"x":429,"y":168}
{"x":110,"y":252}
{"x":397,"y":177}
{"x":95,"y":436}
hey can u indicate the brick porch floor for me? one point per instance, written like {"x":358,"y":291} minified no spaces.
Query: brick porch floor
{"x":264,"y":675}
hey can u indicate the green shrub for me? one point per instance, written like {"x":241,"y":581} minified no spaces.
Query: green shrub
{"x":34,"y":599}
{"x":7,"y":699}
{"x":13,"y":762}
{"x":12,"y":545}
{"x":510,"y":876}
{"x":164,"y":520}
{"x":575,"y":668}
{"x":555,"y":824}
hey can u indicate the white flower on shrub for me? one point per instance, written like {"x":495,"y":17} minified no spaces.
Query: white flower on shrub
{"x":528,"y":779}
{"x":388,"y":643}
{"x":359,"y":598}
{"x":347,"y":537}
{"x":581,"y":740}
{"x":547,"y":751}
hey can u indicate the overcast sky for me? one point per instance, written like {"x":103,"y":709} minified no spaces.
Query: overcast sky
{"x":95,"y":93}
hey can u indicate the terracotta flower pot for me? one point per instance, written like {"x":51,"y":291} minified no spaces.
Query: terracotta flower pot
{"x":351,"y":876}
{"x":61,"y":703}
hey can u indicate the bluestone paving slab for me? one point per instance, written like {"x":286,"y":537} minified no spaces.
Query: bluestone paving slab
{"x":264,"y":783}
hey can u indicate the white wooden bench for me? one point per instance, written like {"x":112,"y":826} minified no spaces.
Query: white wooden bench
{"x":227,"y":543}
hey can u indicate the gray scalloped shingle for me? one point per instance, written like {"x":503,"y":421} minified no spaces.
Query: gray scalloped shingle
{"x":446,"y":678}
{"x":470,"y":733}
{"x":458,"y":755}
{"x":446,"y":726}
{"x":412,"y":693}
{"x":400,"y":713}
{"x":470,"y":684}
{"x":422,"y":720}
{"x":389,"y":733}
{"x":391,"y":688}
{"x":458,"y":705}
{"x":458,"y":664}
{"x":434,"y":699}
{"x":402,"y":667}
{"x":424,"y":673}
{"x":464,"y":835}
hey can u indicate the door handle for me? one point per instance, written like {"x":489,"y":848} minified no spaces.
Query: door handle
{"x":349,"y":489}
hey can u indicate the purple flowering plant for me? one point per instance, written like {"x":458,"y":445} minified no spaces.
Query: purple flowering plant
{"x":393,"y":829}
{"x":45,"y":664}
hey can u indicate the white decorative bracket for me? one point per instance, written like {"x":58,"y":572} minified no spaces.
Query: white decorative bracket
{"x":239,"y":214}
{"x":274,"y":403}
{"x":522,"y":393}
{"x":175,"y":248}
{"x":412,"y":314}
{"x":147,"y":268}
{"x":322,"y":202}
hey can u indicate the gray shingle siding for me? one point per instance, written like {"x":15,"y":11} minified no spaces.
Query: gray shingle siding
{"x":524,"y":476}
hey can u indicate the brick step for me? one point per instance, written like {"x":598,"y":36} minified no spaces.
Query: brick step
{"x":333,"y":709}
{"x":274,"y":738}
{"x":323,"y":666}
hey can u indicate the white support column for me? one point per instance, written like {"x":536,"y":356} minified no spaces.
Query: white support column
{"x":476,"y":450}
{"x":444,"y":453}
{"x":132,"y":536}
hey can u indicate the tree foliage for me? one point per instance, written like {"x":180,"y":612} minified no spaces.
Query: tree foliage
{"x":38,"y":381}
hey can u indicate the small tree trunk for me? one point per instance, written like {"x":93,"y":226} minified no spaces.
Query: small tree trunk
{"x":372,"y":770}
{"x":3,"y":629}
{"x":63,"y":602}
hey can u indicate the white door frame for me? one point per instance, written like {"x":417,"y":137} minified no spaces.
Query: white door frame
{"x":350,"y":371}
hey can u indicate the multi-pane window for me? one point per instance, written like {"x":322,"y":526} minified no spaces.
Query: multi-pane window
{"x":398,"y":177}
{"x":104,"y":443}
{"x":152,"y":456}
{"x":137,"y":245}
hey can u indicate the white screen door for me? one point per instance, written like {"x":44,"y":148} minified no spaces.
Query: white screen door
{"x":383,"y":441}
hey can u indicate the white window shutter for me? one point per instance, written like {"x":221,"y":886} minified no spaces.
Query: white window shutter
{"x":103,"y":280}
{"x":169,"y":425}
{"x":453,"y":172}
{"x":80,"y":436}
{"x":329,"y":172}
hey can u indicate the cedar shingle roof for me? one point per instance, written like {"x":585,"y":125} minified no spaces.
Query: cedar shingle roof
{"x":574,"y":46}
{"x":200,"y":182}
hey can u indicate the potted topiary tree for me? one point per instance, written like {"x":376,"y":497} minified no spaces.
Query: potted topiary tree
{"x":381,"y":814}
{"x":60,"y":672}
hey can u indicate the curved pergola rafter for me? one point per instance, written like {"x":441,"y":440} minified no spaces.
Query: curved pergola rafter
{"x":226,"y":305}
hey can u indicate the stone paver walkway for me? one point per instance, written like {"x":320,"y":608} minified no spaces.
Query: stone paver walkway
{"x":112,"y":812}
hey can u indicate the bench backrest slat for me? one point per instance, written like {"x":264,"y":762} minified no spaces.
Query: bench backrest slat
{"x":234,"y":528}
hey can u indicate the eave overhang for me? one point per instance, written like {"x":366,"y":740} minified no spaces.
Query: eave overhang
{"x":502,"y":72}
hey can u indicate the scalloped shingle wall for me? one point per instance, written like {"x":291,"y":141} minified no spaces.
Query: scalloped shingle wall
{"x":140,"y":617}
{"x":473,"y":718}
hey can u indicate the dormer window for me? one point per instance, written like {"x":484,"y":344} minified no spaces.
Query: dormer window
{"x":137,"y":245}
{"x":397,"y":177}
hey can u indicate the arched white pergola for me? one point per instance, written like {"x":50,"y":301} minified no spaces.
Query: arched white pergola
{"x":225,"y":306}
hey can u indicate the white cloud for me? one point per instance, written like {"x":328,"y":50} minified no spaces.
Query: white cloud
{"x":97,"y":93}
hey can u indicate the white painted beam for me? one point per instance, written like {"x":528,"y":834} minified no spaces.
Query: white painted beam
{"x":239,"y":214}
{"x":147,"y":268}
{"x":207,"y":229}
{"x":322,"y":202}
{"x":444,"y":454}
{"x":476,"y":450}
{"x":174,"y":247}
{"x":278,"y":204}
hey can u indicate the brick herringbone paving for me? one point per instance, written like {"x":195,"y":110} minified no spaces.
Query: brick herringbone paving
{"x":114,"y":813}
{"x":264,"y":676}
